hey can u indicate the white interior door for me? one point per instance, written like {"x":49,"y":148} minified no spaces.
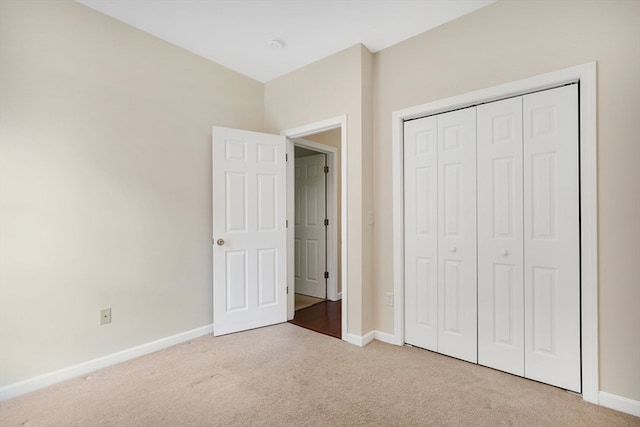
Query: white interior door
{"x":249,"y":230}
{"x":310,"y":230}
{"x":500,"y":245}
{"x":552,"y":237}
{"x":457,"y":263}
{"x":421,"y":232}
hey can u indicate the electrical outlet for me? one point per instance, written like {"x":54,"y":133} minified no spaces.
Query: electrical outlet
{"x":388,"y":298}
{"x":105,"y":316}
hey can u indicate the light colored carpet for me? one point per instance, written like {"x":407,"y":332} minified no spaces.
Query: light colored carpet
{"x":284,"y":375}
{"x":304,"y":301}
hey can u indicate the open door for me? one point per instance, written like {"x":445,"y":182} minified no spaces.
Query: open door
{"x":249,"y":230}
{"x":310,"y":245}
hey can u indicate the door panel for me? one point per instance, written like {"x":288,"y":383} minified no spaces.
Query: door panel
{"x":249,"y":200}
{"x":236,"y":280}
{"x":267,"y":277}
{"x":500,"y":241}
{"x":452,"y":301}
{"x":310,"y":230}
{"x":456,"y":253}
{"x":266,"y":207}
{"x":552,"y":237}
{"x":452,"y":199}
{"x":421,"y":232}
{"x":236,"y":202}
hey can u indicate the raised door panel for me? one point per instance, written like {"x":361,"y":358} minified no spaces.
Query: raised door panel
{"x":236,"y":281}
{"x":267,"y":277}
{"x":421,"y":235}
{"x":297,"y":267}
{"x":267,"y":211}
{"x":236,"y":202}
{"x":297,"y":216}
{"x":500,"y":242}
{"x":552,"y":237}
{"x":456,"y":254}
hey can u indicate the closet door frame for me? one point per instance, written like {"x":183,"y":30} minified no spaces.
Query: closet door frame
{"x":585,"y":75}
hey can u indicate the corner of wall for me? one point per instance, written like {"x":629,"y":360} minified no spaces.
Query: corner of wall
{"x":368,"y":220}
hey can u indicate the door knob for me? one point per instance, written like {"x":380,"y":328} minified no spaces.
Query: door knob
{"x":505,"y":252}
{"x":453,"y":249}
{"x":220,"y":242}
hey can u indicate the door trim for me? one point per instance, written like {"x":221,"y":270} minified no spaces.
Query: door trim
{"x":301,"y":132}
{"x":584,"y":74}
{"x":332,"y":215}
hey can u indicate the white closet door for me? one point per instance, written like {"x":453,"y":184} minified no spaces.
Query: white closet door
{"x":551,"y":237}
{"x":457,"y":272}
{"x":421,"y":232}
{"x":500,"y":246}
{"x":310,"y":231}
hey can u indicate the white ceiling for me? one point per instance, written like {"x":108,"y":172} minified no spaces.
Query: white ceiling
{"x":235,"y":33}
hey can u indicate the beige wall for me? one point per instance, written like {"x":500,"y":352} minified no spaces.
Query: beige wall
{"x":325,"y":89}
{"x":105,"y":184}
{"x":105,"y":166}
{"x":508,"y":41}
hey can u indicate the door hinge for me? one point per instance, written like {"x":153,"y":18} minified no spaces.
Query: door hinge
{"x":326,"y":169}
{"x":326,"y":274}
{"x":287,"y":290}
{"x":287,"y":223}
{"x":326,"y":222}
{"x":286,"y":157}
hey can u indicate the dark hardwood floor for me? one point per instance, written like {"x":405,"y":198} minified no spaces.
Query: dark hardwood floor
{"x":324,"y":317}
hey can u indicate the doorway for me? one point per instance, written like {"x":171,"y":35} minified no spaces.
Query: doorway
{"x":316,"y":225}
{"x":264,"y":278}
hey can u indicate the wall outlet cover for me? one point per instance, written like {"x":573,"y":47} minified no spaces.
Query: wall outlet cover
{"x":105,"y":316}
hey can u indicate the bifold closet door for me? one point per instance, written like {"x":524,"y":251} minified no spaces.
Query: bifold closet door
{"x":528,"y":237}
{"x":457,"y":263}
{"x":440,"y":233}
{"x":421,"y":232}
{"x":500,"y":236}
{"x":513,"y":301}
{"x":552,"y":237}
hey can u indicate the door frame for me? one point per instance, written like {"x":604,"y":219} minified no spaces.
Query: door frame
{"x":331,"y":243}
{"x":293,"y":135}
{"x":585,"y":75}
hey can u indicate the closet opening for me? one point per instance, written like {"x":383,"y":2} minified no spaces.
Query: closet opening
{"x":539,"y":173}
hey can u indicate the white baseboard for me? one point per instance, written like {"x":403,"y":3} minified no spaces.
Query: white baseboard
{"x":608,"y":400}
{"x":360,"y":341}
{"x":334,"y":297}
{"x":619,"y":403}
{"x":45,"y":380}
{"x":387,"y":337}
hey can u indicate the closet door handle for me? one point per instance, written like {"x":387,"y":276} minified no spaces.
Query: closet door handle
{"x":220,"y":242}
{"x":505,"y":252}
{"x":453,"y":249}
